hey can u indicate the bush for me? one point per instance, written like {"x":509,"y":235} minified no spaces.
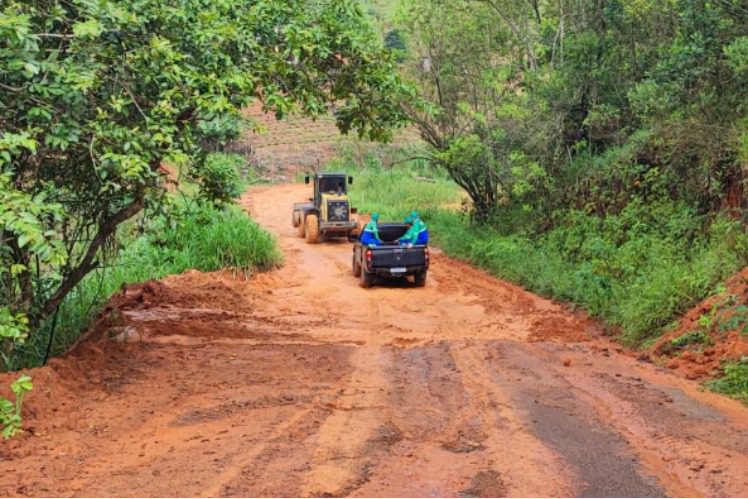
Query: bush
{"x":394,"y":41}
{"x":218,"y":177}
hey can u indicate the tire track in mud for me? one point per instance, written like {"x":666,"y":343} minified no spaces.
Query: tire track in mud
{"x":234,"y":429}
{"x":532,"y":469}
{"x":340,"y":463}
{"x":224,"y":483}
{"x":413,"y":452}
{"x":679,"y":433}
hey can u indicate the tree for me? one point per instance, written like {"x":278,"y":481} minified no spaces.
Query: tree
{"x":473,"y":111}
{"x":95,"y":95}
{"x":526,"y":100}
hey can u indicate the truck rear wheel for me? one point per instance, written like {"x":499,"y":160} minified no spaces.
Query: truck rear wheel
{"x":296,"y":219}
{"x":356,"y":267}
{"x":420,"y":279}
{"x":312,"y":229}
{"x":367,"y":279}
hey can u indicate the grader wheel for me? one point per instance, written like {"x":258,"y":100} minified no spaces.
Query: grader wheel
{"x":312,"y":229}
{"x":300,"y":228}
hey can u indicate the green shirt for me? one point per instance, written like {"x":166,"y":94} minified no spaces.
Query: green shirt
{"x":416,"y":228}
{"x":373,"y":227}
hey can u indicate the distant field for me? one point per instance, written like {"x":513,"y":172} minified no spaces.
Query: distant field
{"x":282,"y":149}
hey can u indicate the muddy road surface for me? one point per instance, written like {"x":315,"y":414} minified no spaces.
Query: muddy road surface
{"x":300,"y":383}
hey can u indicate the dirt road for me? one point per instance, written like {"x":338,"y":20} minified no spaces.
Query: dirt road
{"x":298,"y":382}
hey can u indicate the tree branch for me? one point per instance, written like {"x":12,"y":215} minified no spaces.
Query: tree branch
{"x":11,"y":89}
{"x":412,"y":158}
{"x":88,"y":263}
{"x":516,"y":31}
{"x":54,"y":35}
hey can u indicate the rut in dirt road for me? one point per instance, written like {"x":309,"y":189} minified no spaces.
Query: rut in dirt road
{"x":298,"y":382}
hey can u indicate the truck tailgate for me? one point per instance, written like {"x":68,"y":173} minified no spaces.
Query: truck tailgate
{"x":391,"y":257}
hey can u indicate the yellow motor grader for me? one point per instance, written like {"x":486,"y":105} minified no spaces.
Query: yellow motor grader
{"x":329,"y":212}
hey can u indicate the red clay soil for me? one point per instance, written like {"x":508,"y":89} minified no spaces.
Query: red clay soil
{"x":298,"y":382}
{"x":698,"y":361}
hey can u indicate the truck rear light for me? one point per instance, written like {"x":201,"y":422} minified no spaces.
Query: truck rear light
{"x":368,"y":259}
{"x":426,"y":256}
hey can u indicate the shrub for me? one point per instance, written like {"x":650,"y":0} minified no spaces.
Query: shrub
{"x":393,"y":41}
{"x":218,"y":177}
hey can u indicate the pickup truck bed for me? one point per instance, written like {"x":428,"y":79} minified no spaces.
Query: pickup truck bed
{"x":390,"y":259}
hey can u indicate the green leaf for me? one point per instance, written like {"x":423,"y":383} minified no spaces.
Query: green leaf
{"x":87,"y":29}
{"x":22,"y":385}
{"x":23,"y":239}
{"x":17,"y":269}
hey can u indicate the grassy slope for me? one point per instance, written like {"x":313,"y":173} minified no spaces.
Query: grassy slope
{"x":382,"y":11}
{"x":635,"y":270}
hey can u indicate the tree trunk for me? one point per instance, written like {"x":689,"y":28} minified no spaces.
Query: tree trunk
{"x":106,"y":229}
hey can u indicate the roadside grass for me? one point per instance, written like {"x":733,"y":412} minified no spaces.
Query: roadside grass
{"x":635,"y":271}
{"x":198,"y":236}
{"x":691,"y":338}
{"x":397,"y":192}
{"x":207,"y":238}
{"x":734,"y":382}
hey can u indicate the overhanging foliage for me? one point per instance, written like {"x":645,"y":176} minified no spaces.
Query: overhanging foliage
{"x":96,"y":94}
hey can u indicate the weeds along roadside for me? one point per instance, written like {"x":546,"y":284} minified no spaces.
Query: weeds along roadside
{"x":636,"y":271}
{"x":194,"y":233}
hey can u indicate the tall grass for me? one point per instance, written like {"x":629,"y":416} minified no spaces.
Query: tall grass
{"x":208,"y":238}
{"x":199,"y":237}
{"x":636,"y":296}
{"x":396,"y":192}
